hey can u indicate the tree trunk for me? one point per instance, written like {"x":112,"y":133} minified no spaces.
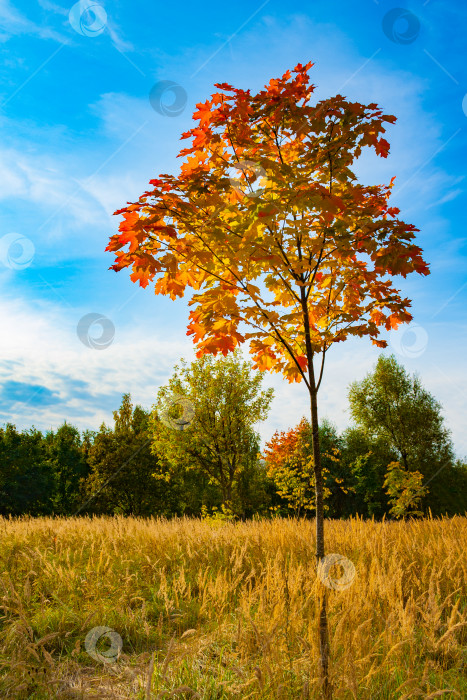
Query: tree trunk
{"x":323,"y":635}
{"x":226,"y":493}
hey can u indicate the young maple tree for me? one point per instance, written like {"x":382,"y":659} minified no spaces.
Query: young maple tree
{"x":326,"y":245}
{"x":290,"y":466}
{"x":405,"y":490}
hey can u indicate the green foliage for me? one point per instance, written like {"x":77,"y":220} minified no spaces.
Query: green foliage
{"x":26,"y":476}
{"x":225,"y":515}
{"x":391,"y":405}
{"x":219,"y":441}
{"x":121,"y":467}
{"x":344,"y":491}
{"x":67,"y":459}
{"x":364,"y":459}
{"x":405,"y":490}
{"x":142,"y":467}
{"x":338,"y":484}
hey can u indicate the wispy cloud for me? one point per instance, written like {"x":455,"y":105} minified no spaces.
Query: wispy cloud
{"x":13,"y":23}
{"x":67,"y":162}
{"x":47,"y":375}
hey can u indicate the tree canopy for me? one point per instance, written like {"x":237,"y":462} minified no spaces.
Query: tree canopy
{"x":121,"y":465}
{"x":393,"y":406}
{"x":219,"y":440}
{"x":313,"y":226}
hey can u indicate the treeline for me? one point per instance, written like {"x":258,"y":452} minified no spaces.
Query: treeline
{"x":396,"y":459}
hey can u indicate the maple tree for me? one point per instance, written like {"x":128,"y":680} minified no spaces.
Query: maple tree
{"x":326,"y":245}
{"x":290,"y":466}
{"x":405,"y":490}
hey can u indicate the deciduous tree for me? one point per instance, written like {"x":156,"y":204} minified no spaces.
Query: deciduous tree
{"x":218,"y":440}
{"x":26,"y":477}
{"x":365,"y":459}
{"x":326,"y":244}
{"x":67,"y":459}
{"x":392,"y":405}
{"x":405,"y":490}
{"x":121,"y":466}
{"x":289,"y":462}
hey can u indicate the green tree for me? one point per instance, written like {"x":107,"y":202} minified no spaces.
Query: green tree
{"x":256,"y":491}
{"x":26,"y":478}
{"x":121,"y":466}
{"x":290,"y":463}
{"x":405,"y":490}
{"x":338,"y":477}
{"x":218,"y":441}
{"x":67,"y":460}
{"x":365,"y":459}
{"x":452,"y":491}
{"x":390,"y":404}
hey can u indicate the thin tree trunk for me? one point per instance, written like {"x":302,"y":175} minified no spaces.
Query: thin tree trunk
{"x":323,"y":633}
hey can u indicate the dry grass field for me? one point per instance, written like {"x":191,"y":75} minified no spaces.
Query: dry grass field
{"x":228,"y":610}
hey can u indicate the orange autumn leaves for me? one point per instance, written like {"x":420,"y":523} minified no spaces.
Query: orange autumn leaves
{"x":323,"y":245}
{"x":289,"y":463}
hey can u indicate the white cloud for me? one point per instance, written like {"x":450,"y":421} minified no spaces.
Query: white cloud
{"x":14,"y":181}
{"x":48,"y":352}
{"x":62,"y":204}
{"x":14,"y":23}
{"x":120,"y":115}
{"x":61,"y":182}
{"x":119,"y":43}
{"x":43,"y":339}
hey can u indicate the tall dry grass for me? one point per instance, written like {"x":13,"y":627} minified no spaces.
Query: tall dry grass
{"x":229,"y":610}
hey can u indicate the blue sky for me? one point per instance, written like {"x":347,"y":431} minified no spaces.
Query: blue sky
{"x":80,"y":139}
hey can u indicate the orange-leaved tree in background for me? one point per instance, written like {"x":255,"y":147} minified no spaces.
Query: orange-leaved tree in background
{"x":290,"y":466}
{"x":325,"y":244}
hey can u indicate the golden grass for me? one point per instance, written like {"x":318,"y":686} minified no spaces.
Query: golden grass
{"x":229,"y":610}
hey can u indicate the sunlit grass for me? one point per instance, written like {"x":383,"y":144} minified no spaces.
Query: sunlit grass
{"x":230,"y":611}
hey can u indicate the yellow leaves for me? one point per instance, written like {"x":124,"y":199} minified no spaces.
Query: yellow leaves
{"x":265,"y":362}
{"x":294,"y":318}
{"x":296,"y":224}
{"x":253,"y":290}
{"x":404,"y":488}
{"x":174,"y":288}
{"x":324,"y":280}
{"x":334,"y":458}
{"x":218,"y":325}
{"x":322,"y":322}
{"x":267,"y":214}
{"x":291,"y":373}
